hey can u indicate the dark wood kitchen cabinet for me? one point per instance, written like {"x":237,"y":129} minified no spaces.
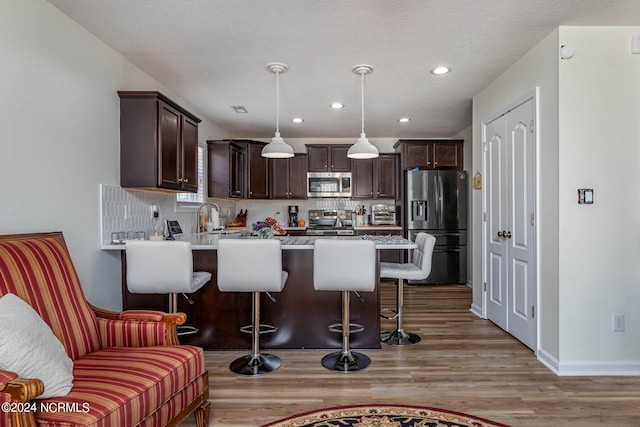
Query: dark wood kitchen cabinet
{"x":430,"y":154}
{"x":328,"y":158}
{"x":158,"y":143}
{"x":237,"y":169}
{"x":256,"y":170}
{"x":226,"y":169}
{"x":376,"y":178}
{"x":288,"y":177}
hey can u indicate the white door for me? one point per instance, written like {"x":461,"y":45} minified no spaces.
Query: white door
{"x":510,"y":268}
{"x":495,"y":194}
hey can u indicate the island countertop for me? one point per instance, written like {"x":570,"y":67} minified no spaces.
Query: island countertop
{"x":209,"y":241}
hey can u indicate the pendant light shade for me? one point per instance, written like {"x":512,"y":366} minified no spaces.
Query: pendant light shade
{"x":362,"y":149}
{"x":277,"y":148}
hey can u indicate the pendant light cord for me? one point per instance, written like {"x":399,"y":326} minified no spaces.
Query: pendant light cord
{"x":362,"y":99}
{"x":277,"y":102}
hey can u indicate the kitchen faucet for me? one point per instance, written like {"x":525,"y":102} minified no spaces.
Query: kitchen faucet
{"x":200,"y":224}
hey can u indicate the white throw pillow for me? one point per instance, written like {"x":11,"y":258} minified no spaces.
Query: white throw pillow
{"x":29,"y":348}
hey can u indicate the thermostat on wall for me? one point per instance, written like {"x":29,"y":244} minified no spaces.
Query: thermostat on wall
{"x":585,"y":196}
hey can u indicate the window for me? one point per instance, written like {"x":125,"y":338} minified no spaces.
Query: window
{"x":194,"y":199}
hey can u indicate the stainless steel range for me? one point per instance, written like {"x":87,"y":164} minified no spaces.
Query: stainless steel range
{"x":330,"y":222}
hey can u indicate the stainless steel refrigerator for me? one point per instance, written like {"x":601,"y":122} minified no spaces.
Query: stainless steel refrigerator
{"x":436,"y":203}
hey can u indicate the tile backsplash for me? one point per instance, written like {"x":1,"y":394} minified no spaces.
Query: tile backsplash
{"x":124,"y":209}
{"x":128,"y":210}
{"x":278,"y":209}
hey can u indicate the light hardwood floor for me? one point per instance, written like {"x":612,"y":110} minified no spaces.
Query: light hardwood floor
{"x":463,"y":363}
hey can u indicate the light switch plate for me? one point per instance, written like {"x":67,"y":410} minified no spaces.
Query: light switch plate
{"x":585,"y":196}
{"x":635,"y":44}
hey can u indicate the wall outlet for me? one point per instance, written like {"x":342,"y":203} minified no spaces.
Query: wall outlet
{"x":618,"y":323}
{"x":155,"y":212}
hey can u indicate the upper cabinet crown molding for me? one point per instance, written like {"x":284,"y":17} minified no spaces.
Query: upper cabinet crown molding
{"x":158,"y":143}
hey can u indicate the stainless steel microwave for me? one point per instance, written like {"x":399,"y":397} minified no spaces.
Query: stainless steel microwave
{"x":329,"y":184}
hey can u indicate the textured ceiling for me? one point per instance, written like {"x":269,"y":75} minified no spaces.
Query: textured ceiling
{"x":213,"y":53}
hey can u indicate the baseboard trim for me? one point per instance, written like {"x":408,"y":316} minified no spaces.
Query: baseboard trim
{"x":591,"y":368}
{"x":599,"y":368}
{"x":548,"y":360}
{"x":477,"y":310}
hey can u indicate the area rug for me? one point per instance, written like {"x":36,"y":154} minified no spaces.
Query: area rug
{"x":383,"y":416}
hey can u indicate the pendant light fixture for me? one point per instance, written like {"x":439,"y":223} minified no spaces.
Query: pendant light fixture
{"x":277,"y":148}
{"x":362,"y":149}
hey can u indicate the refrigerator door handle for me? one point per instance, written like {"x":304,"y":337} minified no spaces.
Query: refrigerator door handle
{"x":441,"y":192}
{"x":436,"y":188}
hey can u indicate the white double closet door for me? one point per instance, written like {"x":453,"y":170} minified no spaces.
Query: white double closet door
{"x":509,"y":215}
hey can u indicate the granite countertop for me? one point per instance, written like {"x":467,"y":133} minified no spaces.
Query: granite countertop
{"x":208,"y":241}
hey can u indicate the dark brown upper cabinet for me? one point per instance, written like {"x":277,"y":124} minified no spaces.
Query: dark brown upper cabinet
{"x":328,"y":158}
{"x":237,"y":169}
{"x":376,"y":178}
{"x":430,"y":153}
{"x":257,"y":170}
{"x":225,"y":169}
{"x":158,"y":143}
{"x":288,"y":177}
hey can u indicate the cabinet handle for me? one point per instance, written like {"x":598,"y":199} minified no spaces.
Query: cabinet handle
{"x":499,"y":233}
{"x":435,"y":163}
{"x":185,"y":180}
{"x":507,"y":234}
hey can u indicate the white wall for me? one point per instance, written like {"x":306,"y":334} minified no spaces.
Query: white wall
{"x":589,"y":137}
{"x":538,"y":68}
{"x":599,"y":244}
{"x":59,"y":115}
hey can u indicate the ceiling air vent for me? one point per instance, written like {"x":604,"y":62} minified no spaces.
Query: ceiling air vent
{"x":239,"y":109}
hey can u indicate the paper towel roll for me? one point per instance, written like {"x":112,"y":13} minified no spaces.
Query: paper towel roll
{"x":215,"y":219}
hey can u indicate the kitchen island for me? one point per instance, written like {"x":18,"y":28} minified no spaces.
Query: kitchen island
{"x":300,"y":313}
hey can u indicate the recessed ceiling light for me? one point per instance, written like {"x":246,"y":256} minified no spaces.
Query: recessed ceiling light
{"x":297,"y":120}
{"x":337,"y":106}
{"x":404,"y":119}
{"x":440,"y":70}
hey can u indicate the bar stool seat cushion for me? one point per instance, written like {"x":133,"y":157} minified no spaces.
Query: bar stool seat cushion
{"x":162,"y":267}
{"x":338,"y":263}
{"x":419,"y":268}
{"x":391,"y":270}
{"x":263,"y":273}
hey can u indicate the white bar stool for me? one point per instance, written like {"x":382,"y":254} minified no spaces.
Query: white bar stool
{"x":253,"y":265}
{"x":418,"y":269}
{"x":160,"y":267}
{"x":345,"y":265}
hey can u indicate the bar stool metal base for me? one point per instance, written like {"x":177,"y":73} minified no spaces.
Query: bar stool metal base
{"x":183,"y":330}
{"x":350,"y":361}
{"x":255,"y":365}
{"x":399,"y":337}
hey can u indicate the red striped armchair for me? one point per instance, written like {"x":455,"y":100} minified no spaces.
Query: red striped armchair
{"x":128,"y":368}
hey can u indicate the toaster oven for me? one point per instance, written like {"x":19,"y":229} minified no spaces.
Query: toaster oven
{"x":383,"y":215}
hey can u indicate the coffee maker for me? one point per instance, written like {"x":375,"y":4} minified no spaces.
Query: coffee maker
{"x":293,"y":216}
